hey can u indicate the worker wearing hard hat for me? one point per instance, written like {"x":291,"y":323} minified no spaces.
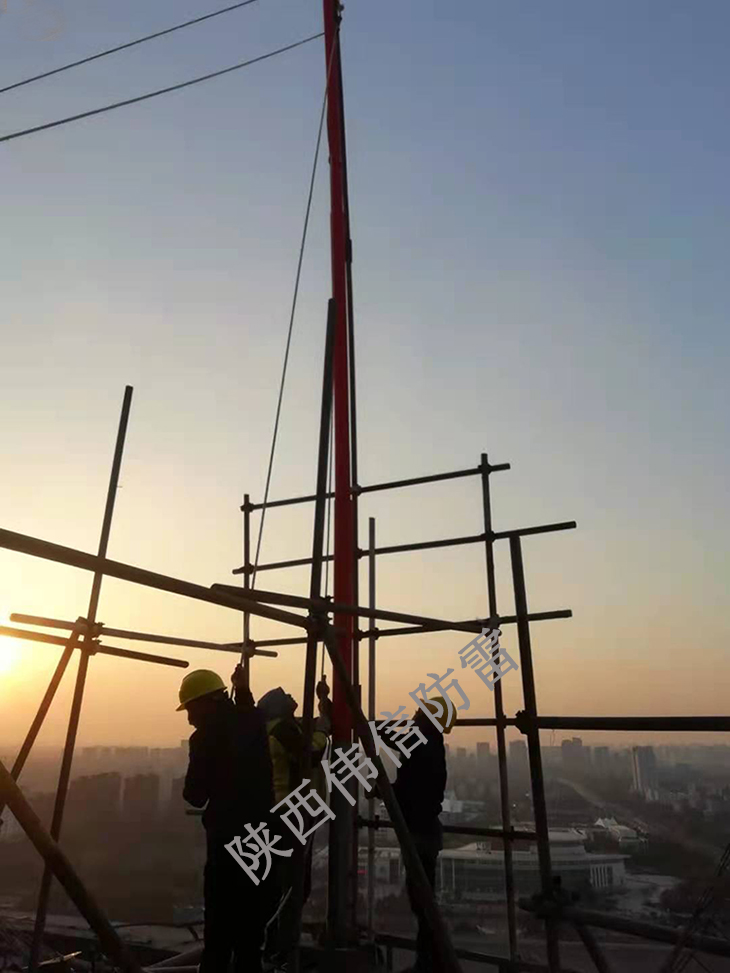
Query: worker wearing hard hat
{"x":286,"y":747}
{"x":229,"y":774}
{"x":419,"y":788}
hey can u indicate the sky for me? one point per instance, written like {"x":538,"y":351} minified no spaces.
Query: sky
{"x":540,"y":224}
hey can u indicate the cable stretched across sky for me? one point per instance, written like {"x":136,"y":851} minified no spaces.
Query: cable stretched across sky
{"x":159,"y":91}
{"x":122,"y":47}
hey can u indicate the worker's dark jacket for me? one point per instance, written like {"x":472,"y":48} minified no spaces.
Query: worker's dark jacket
{"x":230,"y":770}
{"x":421,"y":781}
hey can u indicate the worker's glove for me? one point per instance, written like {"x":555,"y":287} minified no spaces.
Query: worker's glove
{"x":244,"y":697}
{"x":324,"y":723}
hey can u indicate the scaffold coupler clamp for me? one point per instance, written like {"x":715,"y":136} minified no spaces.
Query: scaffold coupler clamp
{"x":522,"y":721}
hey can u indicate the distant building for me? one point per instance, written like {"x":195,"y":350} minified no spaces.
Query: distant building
{"x":93,"y":800}
{"x":626,"y":837}
{"x":461,"y":754}
{"x":576,"y":757}
{"x":518,"y":761}
{"x":177,"y":805}
{"x":552,"y":757}
{"x":644,"y":768}
{"x":484,"y":753}
{"x":602,"y":760}
{"x":476,"y":872}
{"x":141,"y":798}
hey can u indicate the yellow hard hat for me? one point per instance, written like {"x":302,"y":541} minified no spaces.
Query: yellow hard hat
{"x":199,"y":683}
{"x":440,"y":709}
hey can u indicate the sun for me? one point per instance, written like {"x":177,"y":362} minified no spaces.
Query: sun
{"x":9,"y":655}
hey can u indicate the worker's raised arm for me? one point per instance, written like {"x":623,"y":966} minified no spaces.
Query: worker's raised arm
{"x":242,"y":695}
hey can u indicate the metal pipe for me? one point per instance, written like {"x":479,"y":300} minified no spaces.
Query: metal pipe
{"x":21,"y":633}
{"x":528,"y":531}
{"x":499,"y":720}
{"x":381,"y":633}
{"x":421,"y":888}
{"x":665,"y":723}
{"x":391,"y":485}
{"x":245,"y":655}
{"x":64,"y":871}
{"x":484,"y":622}
{"x":371,"y":717}
{"x":320,"y":511}
{"x":374,"y":824}
{"x":33,"y":546}
{"x":533,"y":749}
{"x":121,"y":633}
{"x":592,"y":947}
{"x":346,"y":608}
{"x":503,"y":964}
{"x":487,"y":721}
{"x":423,"y":545}
{"x":646,"y":930}
{"x":87,"y":650}
{"x":315,"y":591}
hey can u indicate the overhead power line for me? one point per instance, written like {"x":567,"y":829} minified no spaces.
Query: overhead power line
{"x":159,"y":91}
{"x":122,"y":47}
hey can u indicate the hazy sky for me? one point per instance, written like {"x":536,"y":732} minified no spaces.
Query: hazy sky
{"x":541,"y":223}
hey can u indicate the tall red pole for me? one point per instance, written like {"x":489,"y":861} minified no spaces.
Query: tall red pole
{"x":342,"y":875}
{"x":344,"y":553}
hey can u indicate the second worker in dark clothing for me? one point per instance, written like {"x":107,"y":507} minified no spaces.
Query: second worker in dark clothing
{"x":230,"y":774}
{"x":419,"y":789}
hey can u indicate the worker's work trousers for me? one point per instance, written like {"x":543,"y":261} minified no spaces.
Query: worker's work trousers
{"x":236,"y":913}
{"x":428,"y":848}
{"x":283,"y":930}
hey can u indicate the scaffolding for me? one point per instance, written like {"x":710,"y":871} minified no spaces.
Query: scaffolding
{"x":311,"y":615}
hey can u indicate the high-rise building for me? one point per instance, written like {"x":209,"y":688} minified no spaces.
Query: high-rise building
{"x":484,"y":753}
{"x":576,"y":758}
{"x":602,"y":760}
{"x":93,"y":800}
{"x":518,"y":763}
{"x":141,"y":798}
{"x":645,"y":776}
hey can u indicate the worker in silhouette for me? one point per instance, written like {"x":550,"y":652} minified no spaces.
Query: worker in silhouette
{"x":419,"y":788}
{"x":229,"y":774}
{"x":286,"y":746}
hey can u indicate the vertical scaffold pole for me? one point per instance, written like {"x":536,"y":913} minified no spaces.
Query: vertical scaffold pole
{"x":533,"y":748}
{"x":302,"y":859}
{"x":246,"y":584}
{"x":371,"y":716}
{"x":86,"y":651}
{"x":509,"y":878}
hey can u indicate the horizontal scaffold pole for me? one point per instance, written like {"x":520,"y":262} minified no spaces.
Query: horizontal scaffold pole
{"x":33,"y":546}
{"x":677,"y":723}
{"x":322,"y":605}
{"x":162,"y":660}
{"x":419,"y":546}
{"x":122,"y":633}
{"x":374,"y":487}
